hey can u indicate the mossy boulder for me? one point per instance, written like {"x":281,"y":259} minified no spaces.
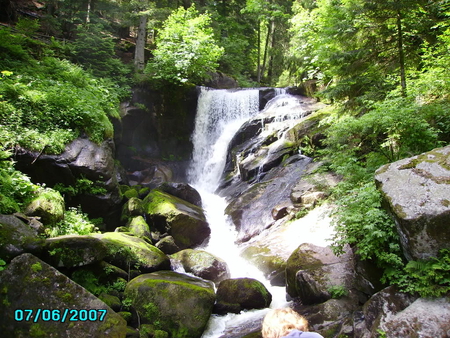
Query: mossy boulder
{"x":16,"y":238}
{"x":73,"y":250}
{"x":29,"y":283}
{"x":202,"y":264}
{"x":127,"y":251}
{"x":176,"y":303}
{"x":237,"y":294}
{"x":417,"y":192}
{"x":48,"y":205}
{"x":272,"y":265}
{"x":132,"y":208}
{"x":184,"y":221}
{"x":183,"y":191}
{"x":167,"y":245}
{"x":139,"y":228}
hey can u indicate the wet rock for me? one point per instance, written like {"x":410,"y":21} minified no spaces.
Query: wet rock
{"x":176,"y":303}
{"x":237,"y":294}
{"x":417,"y":192}
{"x":314,"y":274}
{"x":125,"y":251}
{"x":183,"y":191}
{"x":185,"y":222}
{"x":250,"y":208}
{"x":74,"y":250}
{"x":29,"y":283}
{"x":16,"y":238}
{"x":203,"y":264}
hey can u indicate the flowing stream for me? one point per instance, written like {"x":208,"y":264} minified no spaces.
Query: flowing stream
{"x":220,"y":114}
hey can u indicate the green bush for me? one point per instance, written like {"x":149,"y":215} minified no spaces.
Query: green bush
{"x":75,"y":222}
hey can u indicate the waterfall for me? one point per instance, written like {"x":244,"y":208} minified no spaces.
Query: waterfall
{"x":220,"y":113}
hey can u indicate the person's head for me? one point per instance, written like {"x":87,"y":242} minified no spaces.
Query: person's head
{"x":279,"y":322}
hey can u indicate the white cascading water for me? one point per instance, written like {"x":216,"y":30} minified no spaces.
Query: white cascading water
{"x":220,"y":113}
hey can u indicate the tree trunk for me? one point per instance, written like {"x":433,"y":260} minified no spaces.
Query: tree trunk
{"x":266,"y":47}
{"x":258,"y":76}
{"x":139,"y":54}
{"x":401,"y":53}
{"x":88,"y":12}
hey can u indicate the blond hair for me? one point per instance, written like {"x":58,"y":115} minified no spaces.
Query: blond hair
{"x":279,"y":322}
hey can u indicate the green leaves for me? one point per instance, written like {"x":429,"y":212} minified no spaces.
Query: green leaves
{"x":186,"y":48}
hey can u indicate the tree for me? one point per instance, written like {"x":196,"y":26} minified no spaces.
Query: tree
{"x":186,"y":48}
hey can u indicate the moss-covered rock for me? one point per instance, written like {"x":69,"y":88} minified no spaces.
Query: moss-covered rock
{"x":112,"y":301}
{"x":127,"y":251}
{"x":167,"y":245}
{"x":48,"y":205}
{"x":272,"y":265}
{"x":133,"y":207}
{"x":29,"y":283}
{"x":175,"y":303}
{"x":183,"y":191}
{"x":74,"y":250}
{"x":16,"y":238}
{"x":237,"y":294}
{"x":139,"y":228}
{"x":202,"y":264}
{"x":184,"y":221}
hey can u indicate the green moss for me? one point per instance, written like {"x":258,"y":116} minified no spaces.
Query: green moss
{"x":36,"y":331}
{"x":36,"y":267}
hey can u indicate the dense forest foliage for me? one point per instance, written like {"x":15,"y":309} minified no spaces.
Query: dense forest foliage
{"x":381,"y":65}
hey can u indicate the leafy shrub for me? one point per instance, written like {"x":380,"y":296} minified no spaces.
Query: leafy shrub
{"x":16,"y":188}
{"x":428,"y":278}
{"x":81,"y":186}
{"x":75,"y":222}
{"x":361,"y":222}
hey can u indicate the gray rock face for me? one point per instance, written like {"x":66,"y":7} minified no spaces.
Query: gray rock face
{"x":176,"y":303}
{"x":402,"y":315}
{"x":29,"y":283}
{"x":417,"y":190}
{"x":314,"y":273}
{"x":16,"y":238}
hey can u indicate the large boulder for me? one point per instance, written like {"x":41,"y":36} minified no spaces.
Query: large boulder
{"x":237,"y":294}
{"x":314,"y":274}
{"x":417,"y":192}
{"x":202,"y":264}
{"x":16,"y":238}
{"x":48,"y":205}
{"x":127,"y":251}
{"x":74,"y":250}
{"x":184,"y":221}
{"x":402,"y":315}
{"x":176,"y":303}
{"x":60,"y":307}
{"x":183,"y":191}
{"x":82,"y":158}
